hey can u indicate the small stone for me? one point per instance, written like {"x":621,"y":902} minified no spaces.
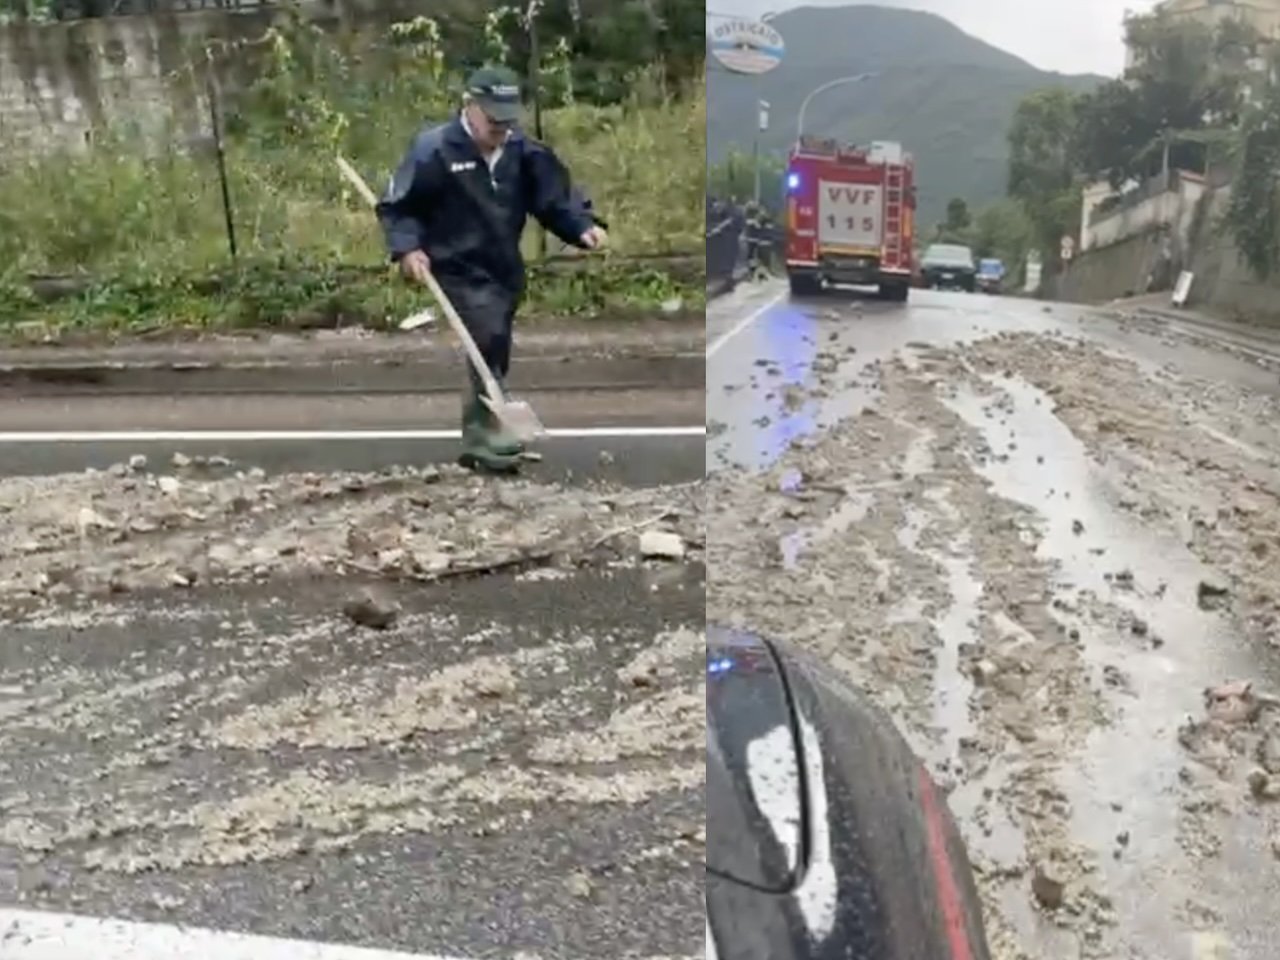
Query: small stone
{"x":180,"y":461}
{"x":1048,"y":889}
{"x":1232,"y":703}
{"x":90,"y":519}
{"x":674,"y":305}
{"x":184,"y":577}
{"x":984,"y":671}
{"x":1260,"y":785}
{"x":169,"y":486}
{"x":606,"y":458}
{"x":579,"y":885}
{"x":1122,"y":838}
{"x":1077,"y":527}
{"x":661,"y":544}
{"x":302,"y":885}
{"x":371,"y":611}
{"x":1211,"y":596}
{"x":138,"y":462}
{"x":1268,"y":754}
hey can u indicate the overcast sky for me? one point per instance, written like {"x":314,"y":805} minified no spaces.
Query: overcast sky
{"x":1071,"y":36}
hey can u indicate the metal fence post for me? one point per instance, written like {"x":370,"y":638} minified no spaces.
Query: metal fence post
{"x":215,"y":119}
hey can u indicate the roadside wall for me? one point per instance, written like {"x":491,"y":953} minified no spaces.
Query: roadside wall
{"x":1223,"y":283}
{"x":1122,"y":269}
{"x":61,"y":81}
{"x":1167,"y":208}
{"x":1150,"y":261}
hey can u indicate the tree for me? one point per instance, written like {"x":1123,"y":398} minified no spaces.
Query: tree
{"x":958,"y":217}
{"x":1186,"y":77}
{"x":734,"y":179}
{"x":1043,"y":167}
{"x":1253,"y":213}
{"x":1002,"y":230}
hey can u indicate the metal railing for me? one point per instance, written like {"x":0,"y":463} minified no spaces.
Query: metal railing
{"x":724,"y":252}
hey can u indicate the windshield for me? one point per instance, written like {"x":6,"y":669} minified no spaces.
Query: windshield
{"x":949,"y":254}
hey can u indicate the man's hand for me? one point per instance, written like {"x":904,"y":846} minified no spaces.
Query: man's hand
{"x":416,"y":266}
{"x":595,"y":238}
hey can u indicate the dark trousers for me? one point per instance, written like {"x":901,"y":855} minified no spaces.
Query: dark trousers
{"x":488,"y":311}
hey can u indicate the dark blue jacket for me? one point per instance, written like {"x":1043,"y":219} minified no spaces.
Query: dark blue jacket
{"x":443,"y":201}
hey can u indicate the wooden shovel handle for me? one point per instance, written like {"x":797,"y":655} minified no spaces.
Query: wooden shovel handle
{"x":473,"y":352}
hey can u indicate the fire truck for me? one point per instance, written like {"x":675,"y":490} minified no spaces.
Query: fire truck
{"x":850,"y":215}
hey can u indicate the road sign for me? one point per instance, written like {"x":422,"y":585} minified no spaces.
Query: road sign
{"x":764,"y":115}
{"x":1182,"y":289}
{"x":747,"y":46}
{"x":1068,"y":247}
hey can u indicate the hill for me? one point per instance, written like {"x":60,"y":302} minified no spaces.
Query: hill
{"x":947,"y":96}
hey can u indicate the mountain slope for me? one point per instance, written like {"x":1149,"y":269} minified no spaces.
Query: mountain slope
{"x":948,"y":97}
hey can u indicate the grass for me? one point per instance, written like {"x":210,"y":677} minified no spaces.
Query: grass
{"x":146,"y":231}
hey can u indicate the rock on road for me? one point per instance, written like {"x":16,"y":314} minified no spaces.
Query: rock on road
{"x":406,"y":708}
{"x":1047,"y":540}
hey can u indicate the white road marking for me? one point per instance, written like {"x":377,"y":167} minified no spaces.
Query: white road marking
{"x":1210,"y":945}
{"x":743,"y":324}
{"x":36,"y":935}
{"x":252,"y":436}
{"x":40,"y":935}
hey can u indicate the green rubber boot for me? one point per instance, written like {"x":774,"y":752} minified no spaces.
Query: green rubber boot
{"x":485,"y":444}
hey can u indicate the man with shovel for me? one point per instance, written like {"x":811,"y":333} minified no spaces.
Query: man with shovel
{"x":456,"y":209}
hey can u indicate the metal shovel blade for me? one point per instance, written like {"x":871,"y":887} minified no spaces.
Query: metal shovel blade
{"x":519,"y":418}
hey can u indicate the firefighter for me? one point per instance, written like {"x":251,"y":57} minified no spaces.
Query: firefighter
{"x":757,"y":237}
{"x":456,"y":208}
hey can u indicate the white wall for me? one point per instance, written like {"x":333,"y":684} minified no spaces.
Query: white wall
{"x":1174,"y":209}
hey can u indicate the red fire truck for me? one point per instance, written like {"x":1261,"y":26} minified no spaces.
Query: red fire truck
{"x":850,"y":217}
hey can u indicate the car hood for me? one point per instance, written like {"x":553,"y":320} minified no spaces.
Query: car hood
{"x":812,"y":810}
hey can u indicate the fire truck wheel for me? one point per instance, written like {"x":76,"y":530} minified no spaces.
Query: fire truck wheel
{"x":805,"y":284}
{"x":895,"y":292}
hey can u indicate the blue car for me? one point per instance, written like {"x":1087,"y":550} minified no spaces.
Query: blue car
{"x":990,"y":275}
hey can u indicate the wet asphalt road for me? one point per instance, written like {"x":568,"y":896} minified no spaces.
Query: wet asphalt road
{"x":617,"y":436}
{"x":516,"y":768}
{"x":142,"y":736}
{"x":758,"y":401}
{"x":769,"y":393}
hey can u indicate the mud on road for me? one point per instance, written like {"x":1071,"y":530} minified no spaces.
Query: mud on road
{"x":414,"y":709}
{"x":1049,"y":561}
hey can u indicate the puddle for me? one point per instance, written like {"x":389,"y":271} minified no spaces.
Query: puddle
{"x":1035,"y":460}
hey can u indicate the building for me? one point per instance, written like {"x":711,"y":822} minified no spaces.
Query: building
{"x":1262,"y":15}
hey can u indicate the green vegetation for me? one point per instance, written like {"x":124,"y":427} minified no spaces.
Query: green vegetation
{"x":1253,"y":216}
{"x":1178,"y":107}
{"x":1044,"y":170}
{"x":146,"y":230}
{"x":946,"y":96}
{"x":735,"y":177}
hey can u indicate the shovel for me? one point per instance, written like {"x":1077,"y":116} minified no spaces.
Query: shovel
{"x":516,"y":415}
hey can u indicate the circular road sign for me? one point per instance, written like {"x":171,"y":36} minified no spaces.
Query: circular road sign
{"x":747,"y":46}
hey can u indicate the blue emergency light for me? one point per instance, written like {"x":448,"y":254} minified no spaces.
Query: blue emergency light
{"x":793,"y":181}
{"x":720,"y":665}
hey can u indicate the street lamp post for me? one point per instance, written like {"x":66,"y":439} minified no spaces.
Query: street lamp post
{"x":760,"y":110}
{"x":804,"y":106}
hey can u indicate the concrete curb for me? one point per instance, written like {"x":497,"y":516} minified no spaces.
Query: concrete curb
{"x":568,"y":359}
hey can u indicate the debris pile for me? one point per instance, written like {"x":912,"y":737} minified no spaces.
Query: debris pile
{"x":206,"y":522}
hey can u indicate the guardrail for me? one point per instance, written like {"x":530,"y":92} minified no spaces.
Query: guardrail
{"x":724,"y":255}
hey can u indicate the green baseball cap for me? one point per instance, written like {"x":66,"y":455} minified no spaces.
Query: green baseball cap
{"x":497,"y":91}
